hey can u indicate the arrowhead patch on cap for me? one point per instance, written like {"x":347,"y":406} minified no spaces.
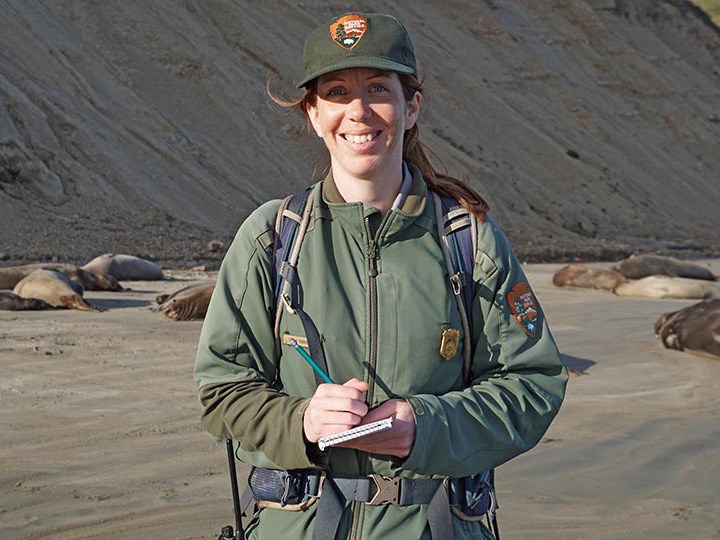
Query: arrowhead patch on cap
{"x":523,"y":306}
{"x":348,"y":30}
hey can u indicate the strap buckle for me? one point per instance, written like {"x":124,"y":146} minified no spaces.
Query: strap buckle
{"x":287,"y":302}
{"x":388,"y":490}
{"x":458,"y":282}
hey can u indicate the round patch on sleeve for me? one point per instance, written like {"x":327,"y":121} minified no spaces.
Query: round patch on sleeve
{"x":524,"y":308}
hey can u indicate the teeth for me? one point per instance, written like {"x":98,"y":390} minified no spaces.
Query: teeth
{"x":359,"y":139}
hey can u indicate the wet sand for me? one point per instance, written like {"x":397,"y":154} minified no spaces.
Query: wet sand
{"x":100,"y":437}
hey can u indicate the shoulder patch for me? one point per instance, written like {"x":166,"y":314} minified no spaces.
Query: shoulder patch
{"x":348,"y":30}
{"x":524,"y":307}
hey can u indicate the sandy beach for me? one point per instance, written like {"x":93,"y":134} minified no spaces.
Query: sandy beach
{"x":100,"y":434}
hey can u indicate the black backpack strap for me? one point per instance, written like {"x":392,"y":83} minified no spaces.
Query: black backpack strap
{"x":457,"y":232}
{"x":291,"y":224}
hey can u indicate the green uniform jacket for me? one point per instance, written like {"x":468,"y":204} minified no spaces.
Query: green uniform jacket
{"x":379,"y":295}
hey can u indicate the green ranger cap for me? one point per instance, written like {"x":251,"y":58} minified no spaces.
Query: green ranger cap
{"x":358,"y":40}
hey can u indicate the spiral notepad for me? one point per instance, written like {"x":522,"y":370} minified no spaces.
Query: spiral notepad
{"x":354,"y":433}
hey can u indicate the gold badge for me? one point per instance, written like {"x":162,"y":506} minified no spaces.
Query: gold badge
{"x":449,"y":343}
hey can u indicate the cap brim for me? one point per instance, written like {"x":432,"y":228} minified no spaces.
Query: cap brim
{"x":371,"y":62}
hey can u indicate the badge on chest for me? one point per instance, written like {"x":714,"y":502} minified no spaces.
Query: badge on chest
{"x":449,"y":343}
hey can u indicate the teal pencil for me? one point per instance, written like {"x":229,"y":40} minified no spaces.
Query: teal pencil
{"x":310,"y":361}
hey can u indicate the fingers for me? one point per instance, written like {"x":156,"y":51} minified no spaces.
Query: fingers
{"x":345,"y":404}
{"x":334,"y":408}
{"x":359,"y":385}
{"x":399,"y":440}
{"x":353,"y":389}
{"x":385,"y":410}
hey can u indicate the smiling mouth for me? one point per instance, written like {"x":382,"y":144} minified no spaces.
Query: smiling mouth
{"x":360,"y":139}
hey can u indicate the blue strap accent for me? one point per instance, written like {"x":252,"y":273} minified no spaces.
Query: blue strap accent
{"x":461,"y":253}
{"x":476,"y":493}
{"x":286,"y":239}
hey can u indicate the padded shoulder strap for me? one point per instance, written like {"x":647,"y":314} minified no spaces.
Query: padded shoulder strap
{"x":456,"y":232}
{"x":288,"y":223}
{"x":291,"y":224}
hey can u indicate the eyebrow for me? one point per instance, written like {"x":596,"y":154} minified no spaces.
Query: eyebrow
{"x":379,"y":74}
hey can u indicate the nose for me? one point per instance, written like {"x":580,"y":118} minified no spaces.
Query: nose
{"x":359,"y":107}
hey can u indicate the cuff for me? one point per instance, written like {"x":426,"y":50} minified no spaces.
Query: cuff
{"x":416,"y":458}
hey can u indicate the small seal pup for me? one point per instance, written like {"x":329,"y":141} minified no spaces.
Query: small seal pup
{"x":12,"y":302}
{"x":695,"y":329}
{"x":641,"y":266}
{"x":579,"y":275}
{"x":669,"y":287}
{"x":125,"y":267}
{"x":187,"y":304}
{"x":55,"y":288}
{"x":92,"y":281}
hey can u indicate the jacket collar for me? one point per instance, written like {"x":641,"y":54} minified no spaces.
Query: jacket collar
{"x":412,"y":205}
{"x":330,"y":204}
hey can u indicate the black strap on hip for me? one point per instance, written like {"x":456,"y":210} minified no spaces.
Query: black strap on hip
{"x":398,"y":491}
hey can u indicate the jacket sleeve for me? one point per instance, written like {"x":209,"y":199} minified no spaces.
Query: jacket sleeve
{"x":518,"y":377}
{"x":235,"y":366}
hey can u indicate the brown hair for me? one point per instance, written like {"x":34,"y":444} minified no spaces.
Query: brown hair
{"x":413,"y":149}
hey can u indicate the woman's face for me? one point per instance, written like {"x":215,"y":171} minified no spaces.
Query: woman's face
{"x":362,"y":115}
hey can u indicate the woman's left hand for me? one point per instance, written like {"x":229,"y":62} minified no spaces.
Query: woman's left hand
{"x":397,"y":441}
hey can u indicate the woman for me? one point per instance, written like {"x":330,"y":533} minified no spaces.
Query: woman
{"x":373,"y":280}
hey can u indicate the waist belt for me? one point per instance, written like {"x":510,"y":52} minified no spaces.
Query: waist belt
{"x":297,"y":490}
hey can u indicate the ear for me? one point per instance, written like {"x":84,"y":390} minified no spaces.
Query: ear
{"x":413,"y":110}
{"x":314,"y":118}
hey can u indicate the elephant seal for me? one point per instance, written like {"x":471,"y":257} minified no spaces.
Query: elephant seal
{"x":578,"y":275}
{"x":91,"y":281}
{"x":12,"y":302}
{"x":187,"y":304}
{"x":641,"y":266}
{"x":125,"y":267}
{"x":669,"y":287}
{"x":695,"y":329}
{"x":55,"y":288}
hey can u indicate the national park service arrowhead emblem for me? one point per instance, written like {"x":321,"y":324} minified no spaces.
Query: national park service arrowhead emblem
{"x":348,"y":30}
{"x":524,"y":308}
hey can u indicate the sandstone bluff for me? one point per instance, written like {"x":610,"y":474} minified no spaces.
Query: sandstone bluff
{"x":142,"y":127}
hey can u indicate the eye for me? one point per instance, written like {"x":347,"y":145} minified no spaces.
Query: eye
{"x":335,"y":91}
{"x":378,"y":88}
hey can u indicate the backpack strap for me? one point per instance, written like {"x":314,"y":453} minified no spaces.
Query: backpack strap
{"x":291,"y":224}
{"x":457,"y":233}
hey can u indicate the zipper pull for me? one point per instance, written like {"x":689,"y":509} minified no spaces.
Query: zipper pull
{"x":372,"y":259}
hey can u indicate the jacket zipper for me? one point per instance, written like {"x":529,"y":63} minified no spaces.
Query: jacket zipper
{"x":372,"y":258}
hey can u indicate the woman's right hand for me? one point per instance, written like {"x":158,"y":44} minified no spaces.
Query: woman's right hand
{"x":335,"y":408}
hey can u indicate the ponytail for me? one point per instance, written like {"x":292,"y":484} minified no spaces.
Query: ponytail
{"x":414,"y":152}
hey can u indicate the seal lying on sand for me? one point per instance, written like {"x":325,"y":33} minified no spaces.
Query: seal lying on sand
{"x":92,"y":281}
{"x":55,"y":288}
{"x":669,"y":287}
{"x":187,"y":304}
{"x":12,"y":302}
{"x":642,"y":266}
{"x":125,"y":267}
{"x":578,"y":275}
{"x":694,"y":329}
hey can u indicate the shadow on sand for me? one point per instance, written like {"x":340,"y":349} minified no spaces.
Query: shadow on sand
{"x":575,"y":363}
{"x":119,"y":303}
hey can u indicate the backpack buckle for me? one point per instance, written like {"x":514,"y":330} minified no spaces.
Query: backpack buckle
{"x":287,"y":302}
{"x":388,"y":490}
{"x":458,"y":282}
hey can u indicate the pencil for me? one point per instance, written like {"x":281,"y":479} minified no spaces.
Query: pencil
{"x":310,"y":361}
